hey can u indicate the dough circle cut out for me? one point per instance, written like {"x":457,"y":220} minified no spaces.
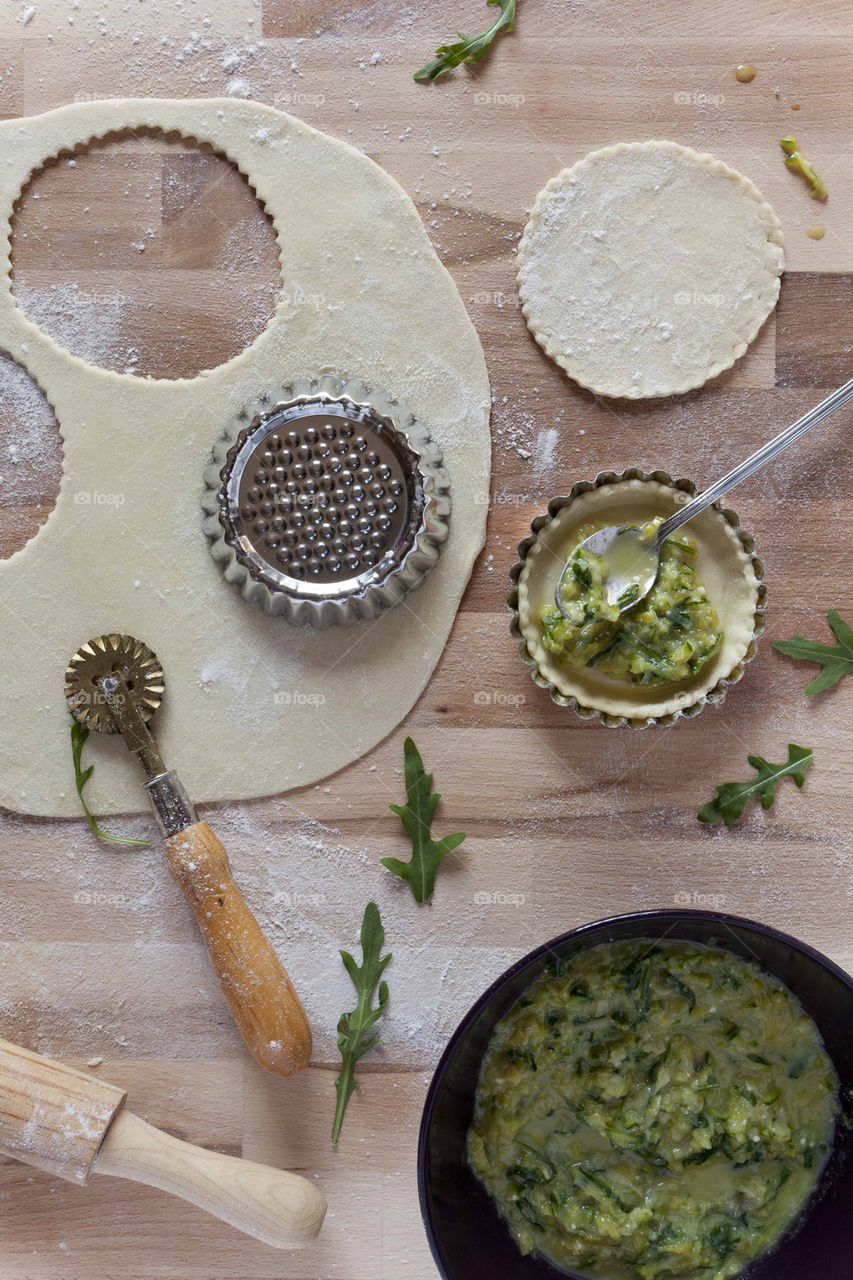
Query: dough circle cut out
{"x":163,"y":238}
{"x":648,"y":268}
{"x":255,"y":706}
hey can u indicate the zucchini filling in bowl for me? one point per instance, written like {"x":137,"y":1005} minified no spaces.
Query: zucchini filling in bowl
{"x":653,"y":1110}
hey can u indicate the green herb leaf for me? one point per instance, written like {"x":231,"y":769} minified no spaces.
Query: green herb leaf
{"x":836,"y":659}
{"x":682,"y":989}
{"x":416,"y":816}
{"x":79,"y":734}
{"x":582,"y":573}
{"x":638,"y":980}
{"x":353,"y":1040}
{"x":469,"y":48}
{"x":732,"y":797}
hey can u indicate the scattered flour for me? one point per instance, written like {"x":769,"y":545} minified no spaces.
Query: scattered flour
{"x":239,"y":88}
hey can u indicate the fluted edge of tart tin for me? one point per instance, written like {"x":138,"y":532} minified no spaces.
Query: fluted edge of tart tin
{"x":253,"y":530}
{"x":713,"y":696}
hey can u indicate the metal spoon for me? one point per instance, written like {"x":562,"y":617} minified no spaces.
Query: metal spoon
{"x":633,"y":559}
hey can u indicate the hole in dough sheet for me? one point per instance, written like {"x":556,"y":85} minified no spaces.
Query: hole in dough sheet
{"x":145,"y":253}
{"x":30,"y":458}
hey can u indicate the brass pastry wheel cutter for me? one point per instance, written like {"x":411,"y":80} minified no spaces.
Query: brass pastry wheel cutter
{"x":114,"y":684}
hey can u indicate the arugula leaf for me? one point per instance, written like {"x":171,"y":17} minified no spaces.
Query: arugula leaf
{"x":836,"y":659}
{"x":469,"y":48}
{"x":79,"y":734}
{"x":353,"y":1040}
{"x":732,"y":797}
{"x":416,"y":816}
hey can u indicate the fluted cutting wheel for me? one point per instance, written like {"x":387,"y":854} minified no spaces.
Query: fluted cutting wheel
{"x":123,"y":656}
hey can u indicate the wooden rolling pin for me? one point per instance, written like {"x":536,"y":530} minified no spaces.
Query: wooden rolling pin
{"x":72,"y":1125}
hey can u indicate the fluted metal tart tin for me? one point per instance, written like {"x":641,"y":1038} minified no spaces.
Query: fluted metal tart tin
{"x":587,"y":710}
{"x":326,"y":502}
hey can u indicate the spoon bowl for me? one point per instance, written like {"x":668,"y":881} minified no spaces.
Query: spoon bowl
{"x":629,"y":554}
{"x":632,"y":557}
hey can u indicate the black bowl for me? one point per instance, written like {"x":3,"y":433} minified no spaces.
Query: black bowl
{"x":470,"y":1241}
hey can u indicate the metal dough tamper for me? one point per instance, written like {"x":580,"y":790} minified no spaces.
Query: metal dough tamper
{"x":326,"y":502}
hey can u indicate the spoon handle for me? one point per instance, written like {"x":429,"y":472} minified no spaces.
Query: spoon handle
{"x":765,"y":454}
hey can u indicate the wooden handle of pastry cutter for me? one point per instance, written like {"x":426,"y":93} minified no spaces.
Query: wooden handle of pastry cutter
{"x":264,"y":1004}
{"x":280,"y":1208}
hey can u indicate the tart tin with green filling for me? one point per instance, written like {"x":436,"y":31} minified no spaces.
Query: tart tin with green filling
{"x":655,"y":672}
{"x":666,"y":638}
{"x":653,"y":1109}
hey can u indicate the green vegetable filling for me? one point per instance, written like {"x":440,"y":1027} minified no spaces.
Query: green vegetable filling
{"x":667,"y":638}
{"x":653,"y":1110}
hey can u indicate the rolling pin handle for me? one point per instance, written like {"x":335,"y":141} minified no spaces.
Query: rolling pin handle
{"x":283,"y":1209}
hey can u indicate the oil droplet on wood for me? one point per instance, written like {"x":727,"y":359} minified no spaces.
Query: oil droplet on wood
{"x":816,"y":233}
{"x":745,"y":73}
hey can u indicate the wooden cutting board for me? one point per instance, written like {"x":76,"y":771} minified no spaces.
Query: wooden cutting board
{"x":566,"y":822}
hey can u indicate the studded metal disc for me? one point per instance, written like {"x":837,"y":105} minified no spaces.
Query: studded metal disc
{"x":112,"y":654}
{"x":321,"y":497}
{"x":326,"y":501}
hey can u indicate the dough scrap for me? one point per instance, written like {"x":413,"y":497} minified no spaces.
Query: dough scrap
{"x":253,"y":706}
{"x":647,"y":268}
{"x":723,"y":562}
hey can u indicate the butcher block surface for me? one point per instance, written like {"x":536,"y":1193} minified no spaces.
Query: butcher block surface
{"x":100,"y":961}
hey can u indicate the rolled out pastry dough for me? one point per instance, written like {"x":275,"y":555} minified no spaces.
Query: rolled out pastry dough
{"x":253,"y":706}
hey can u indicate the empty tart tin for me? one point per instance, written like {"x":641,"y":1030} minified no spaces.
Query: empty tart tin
{"x":326,"y":502}
{"x":726,"y":563}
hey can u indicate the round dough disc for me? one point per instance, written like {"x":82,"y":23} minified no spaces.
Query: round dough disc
{"x":647,"y":268}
